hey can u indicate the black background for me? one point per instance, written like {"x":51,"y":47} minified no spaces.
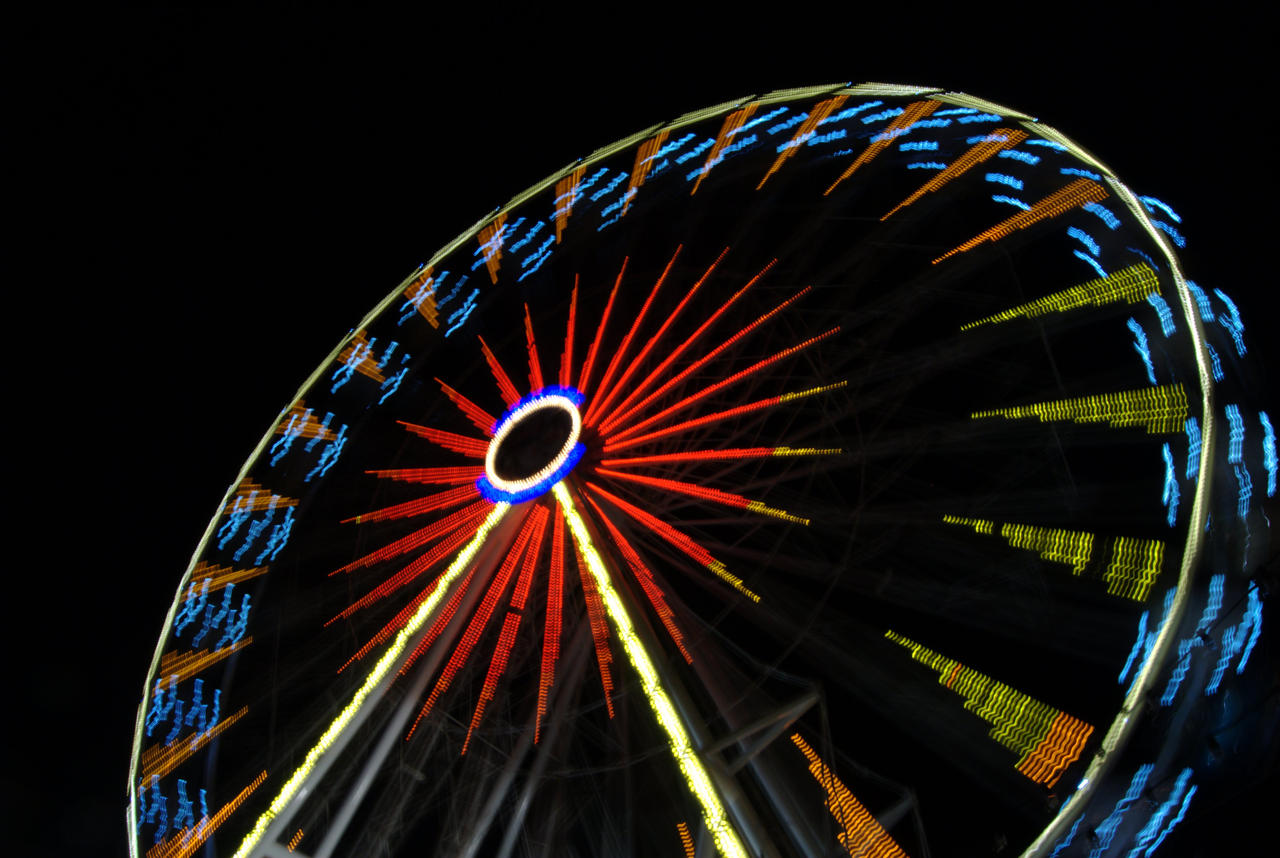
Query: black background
{"x":204,"y":203}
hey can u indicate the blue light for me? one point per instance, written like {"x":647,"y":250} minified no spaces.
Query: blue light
{"x":790,"y":123}
{"x":1268,"y":452}
{"x":696,"y":150}
{"x":236,"y":625}
{"x":957,"y":111}
{"x":850,"y":112}
{"x":292,"y":431}
{"x":426,"y":289}
{"x":1227,"y":648}
{"x":1151,"y":204}
{"x":1193,"y":448}
{"x":1106,"y":832}
{"x":391,"y":385}
{"x":240,"y":512}
{"x":1235,"y":444}
{"x":1149,"y":831}
{"x":1157,"y":303}
{"x":1092,"y":263}
{"x":1013,"y":201}
{"x":1051,"y":144}
{"x":158,"y":803}
{"x":1217,"y":585}
{"x":162,"y":704}
{"x":324,"y":430}
{"x":1084,"y":238}
{"x":760,"y":120}
{"x":537,"y":262}
{"x":587,"y":184}
{"x":919,"y":146}
{"x":452,"y":292}
{"x":1170,"y":496}
{"x":1232,"y":322}
{"x":459,"y":317}
{"x":1170,"y":231}
{"x":487,"y":250}
{"x":884,"y":114}
{"x":616,"y":204}
{"x":1149,"y":642}
{"x":1002,"y":179}
{"x":838,"y":134}
{"x":607,"y":189}
{"x":1215,"y":363}
{"x":1104,"y":214}
{"x":1182,"y":811}
{"x":671,"y":147}
{"x":1070,"y":836}
{"x":723,"y":153}
{"x":1138,"y":646}
{"x":1140,"y":345}
{"x":981,"y":117}
{"x":192,"y":607}
{"x":929,"y":123}
{"x":1018,"y":155}
{"x":1078,"y":171}
{"x":184,"y":818}
{"x":1246,"y":490}
{"x":213,"y":621}
{"x":280,"y":532}
{"x":255,"y":529}
{"x":332,"y":450}
{"x":1180,"y":669}
{"x":528,"y":236}
{"x":1252,"y":616}
{"x":987,"y":138}
{"x":1202,"y":301}
{"x":926,"y":165}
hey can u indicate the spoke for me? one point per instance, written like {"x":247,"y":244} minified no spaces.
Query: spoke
{"x":607,"y":393}
{"x":695,"y":773}
{"x":381,"y":670}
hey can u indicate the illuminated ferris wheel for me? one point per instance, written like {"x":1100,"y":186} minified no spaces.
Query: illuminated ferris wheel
{"x":789,"y":479}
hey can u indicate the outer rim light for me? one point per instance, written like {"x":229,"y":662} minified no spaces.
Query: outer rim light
{"x":496,"y":488}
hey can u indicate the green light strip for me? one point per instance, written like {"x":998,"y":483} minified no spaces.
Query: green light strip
{"x":389,"y":658}
{"x":695,"y":774}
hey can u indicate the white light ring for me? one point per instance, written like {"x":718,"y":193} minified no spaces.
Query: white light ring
{"x":495,"y":487}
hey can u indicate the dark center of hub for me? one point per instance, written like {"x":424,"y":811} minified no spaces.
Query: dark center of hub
{"x":532,"y":443}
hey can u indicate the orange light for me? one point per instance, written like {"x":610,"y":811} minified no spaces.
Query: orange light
{"x":427,"y":305}
{"x":359,"y":356}
{"x":862,"y":835}
{"x":159,"y":759}
{"x":1063,"y":200}
{"x":820,"y":111}
{"x":184,"y":843}
{"x":728,"y":128}
{"x":997,"y":140}
{"x":900,"y":125}
{"x":490,"y":239}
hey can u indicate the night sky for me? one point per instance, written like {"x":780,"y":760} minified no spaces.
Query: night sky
{"x":207,"y":203}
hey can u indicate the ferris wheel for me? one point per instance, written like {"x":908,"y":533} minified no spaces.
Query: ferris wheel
{"x":788,"y":479}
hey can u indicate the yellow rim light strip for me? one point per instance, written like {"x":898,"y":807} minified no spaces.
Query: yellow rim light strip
{"x":695,"y":774}
{"x":1046,"y":739}
{"x":1132,"y":571}
{"x":1158,"y":409}
{"x":1128,"y":285}
{"x":380,"y":670}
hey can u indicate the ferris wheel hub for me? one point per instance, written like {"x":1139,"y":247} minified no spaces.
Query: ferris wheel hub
{"x":535,"y":444}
